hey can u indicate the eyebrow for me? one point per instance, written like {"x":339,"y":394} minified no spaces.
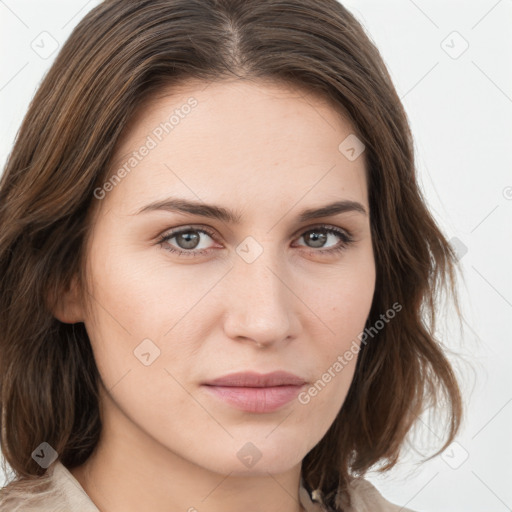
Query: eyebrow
{"x":218,"y":212}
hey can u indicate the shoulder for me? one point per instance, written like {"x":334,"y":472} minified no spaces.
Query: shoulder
{"x":365,"y":497}
{"x":30,"y":495}
{"x":56,"y":491}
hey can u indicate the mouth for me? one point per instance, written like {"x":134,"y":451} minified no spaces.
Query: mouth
{"x":254,"y":392}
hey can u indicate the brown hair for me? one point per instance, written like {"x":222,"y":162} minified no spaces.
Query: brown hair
{"x":119,"y":55}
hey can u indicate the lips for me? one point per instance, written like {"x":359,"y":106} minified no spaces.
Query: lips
{"x":257,"y":380}
{"x":254,"y":392}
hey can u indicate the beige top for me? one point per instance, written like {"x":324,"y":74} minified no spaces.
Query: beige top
{"x":67,"y":495}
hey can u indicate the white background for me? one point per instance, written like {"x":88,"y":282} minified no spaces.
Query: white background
{"x":459,"y":107}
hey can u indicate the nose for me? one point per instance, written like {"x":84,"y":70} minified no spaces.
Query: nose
{"x":260,"y":304}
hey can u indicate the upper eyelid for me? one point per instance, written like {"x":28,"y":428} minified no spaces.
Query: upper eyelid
{"x":211,"y":232}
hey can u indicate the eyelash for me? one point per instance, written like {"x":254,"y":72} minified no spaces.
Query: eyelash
{"x":346,"y":240}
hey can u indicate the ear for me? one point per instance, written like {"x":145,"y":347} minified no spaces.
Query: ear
{"x":67,"y":306}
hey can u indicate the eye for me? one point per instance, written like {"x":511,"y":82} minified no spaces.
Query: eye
{"x":319,"y":235}
{"x":189,"y":239}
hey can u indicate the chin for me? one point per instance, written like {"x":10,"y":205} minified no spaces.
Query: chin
{"x":253,"y":458}
{"x":260,"y":468}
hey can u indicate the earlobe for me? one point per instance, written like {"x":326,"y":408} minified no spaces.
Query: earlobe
{"x":67,"y":306}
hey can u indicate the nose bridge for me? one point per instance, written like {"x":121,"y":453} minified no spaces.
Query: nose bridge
{"x":260,"y":306}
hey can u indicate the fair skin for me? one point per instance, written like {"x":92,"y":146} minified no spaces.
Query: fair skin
{"x":266,"y":152}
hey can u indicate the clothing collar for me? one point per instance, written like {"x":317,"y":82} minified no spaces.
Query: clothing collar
{"x":78,"y":499}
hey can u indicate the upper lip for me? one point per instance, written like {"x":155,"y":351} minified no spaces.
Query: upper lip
{"x":257,"y":380}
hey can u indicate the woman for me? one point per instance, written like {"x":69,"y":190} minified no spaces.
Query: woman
{"x":216,"y":266}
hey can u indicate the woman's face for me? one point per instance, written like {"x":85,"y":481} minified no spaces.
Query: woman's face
{"x":257,"y":289}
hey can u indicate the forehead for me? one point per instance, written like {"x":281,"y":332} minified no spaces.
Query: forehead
{"x":237,"y":142}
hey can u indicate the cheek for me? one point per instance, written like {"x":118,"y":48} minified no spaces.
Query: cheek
{"x":342,"y":303}
{"x":142,"y":293}
{"x":143,"y":322}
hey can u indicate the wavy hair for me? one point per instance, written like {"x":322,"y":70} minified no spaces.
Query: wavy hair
{"x":124,"y":52}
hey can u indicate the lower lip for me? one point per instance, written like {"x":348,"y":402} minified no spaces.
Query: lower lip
{"x":256,"y":399}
